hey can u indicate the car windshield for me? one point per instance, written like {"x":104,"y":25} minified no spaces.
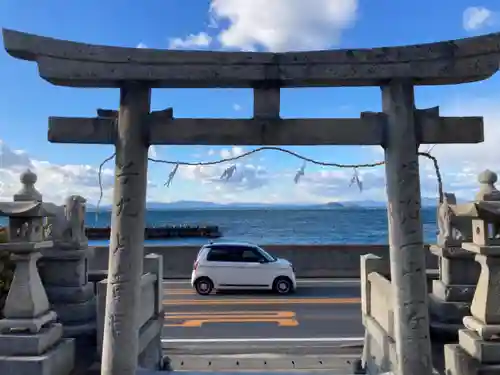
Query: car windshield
{"x":199,"y":251}
{"x":269,"y":257}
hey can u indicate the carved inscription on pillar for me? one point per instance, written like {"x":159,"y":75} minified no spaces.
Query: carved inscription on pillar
{"x":407,"y":257}
{"x":120,"y":341}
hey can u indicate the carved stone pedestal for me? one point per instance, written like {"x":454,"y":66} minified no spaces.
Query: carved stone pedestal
{"x":452,"y":294}
{"x":64,"y":275}
{"x":64,"y":270}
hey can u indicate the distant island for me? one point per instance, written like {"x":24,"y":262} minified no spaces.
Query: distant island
{"x":198,"y":205}
{"x":335,"y":205}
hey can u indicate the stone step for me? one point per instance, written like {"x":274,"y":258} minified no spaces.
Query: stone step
{"x":264,"y":362}
{"x":255,"y":364}
{"x":266,"y":372}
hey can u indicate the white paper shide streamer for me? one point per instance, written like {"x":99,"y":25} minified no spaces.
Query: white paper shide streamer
{"x":228,"y":173}
{"x":171,"y":176}
{"x":356,"y":180}
{"x":300,"y":173}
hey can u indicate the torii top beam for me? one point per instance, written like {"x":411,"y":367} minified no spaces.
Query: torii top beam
{"x":84,"y":65}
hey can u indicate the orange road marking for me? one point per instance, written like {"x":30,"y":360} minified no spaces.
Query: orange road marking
{"x":179,"y":291}
{"x":189,"y":319}
{"x":229,"y":314}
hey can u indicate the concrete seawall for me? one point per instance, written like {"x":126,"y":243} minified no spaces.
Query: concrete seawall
{"x":331,"y":261}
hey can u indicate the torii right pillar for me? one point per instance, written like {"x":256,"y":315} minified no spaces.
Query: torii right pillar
{"x":407,"y":255}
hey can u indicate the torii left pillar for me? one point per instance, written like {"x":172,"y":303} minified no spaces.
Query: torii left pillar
{"x":126,"y":247}
{"x":407,"y":255}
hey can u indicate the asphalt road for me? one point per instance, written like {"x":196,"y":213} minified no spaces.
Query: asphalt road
{"x":321,"y":317}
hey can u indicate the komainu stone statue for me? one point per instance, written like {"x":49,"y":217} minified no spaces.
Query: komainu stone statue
{"x":445,"y":215}
{"x":68,"y":226}
{"x":74,"y":210}
{"x":453,"y":229}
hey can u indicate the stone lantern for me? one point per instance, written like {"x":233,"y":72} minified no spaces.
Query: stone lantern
{"x":479,"y":342}
{"x":30,"y":337}
{"x":453,"y":292}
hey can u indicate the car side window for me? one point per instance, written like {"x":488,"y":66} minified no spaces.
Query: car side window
{"x":219,"y":254}
{"x":234,"y":254}
{"x":250,"y":256}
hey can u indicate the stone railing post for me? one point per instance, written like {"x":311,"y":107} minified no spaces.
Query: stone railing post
{"x":64,"y":271}
{"x":152,"y":356}
{"x":376,"y":347}
{"x":478,"y":348}
{"x":30,"y":337}
{"x":153,"y":263}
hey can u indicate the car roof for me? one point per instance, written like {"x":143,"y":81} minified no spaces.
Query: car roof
{"x":230,"y":244}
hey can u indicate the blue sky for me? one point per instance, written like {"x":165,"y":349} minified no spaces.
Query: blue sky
{"x":26,"y":101}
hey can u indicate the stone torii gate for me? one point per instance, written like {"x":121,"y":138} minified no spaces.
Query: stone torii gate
{"x":399,"y":129}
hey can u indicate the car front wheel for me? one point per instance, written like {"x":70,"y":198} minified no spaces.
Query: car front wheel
{"x":283,"y":285}
{"x":204,"y":286}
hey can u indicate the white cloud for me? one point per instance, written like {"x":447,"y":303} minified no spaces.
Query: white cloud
{"x":237,"y":107}
{"x":282,"y":25}
{"x":237,"y":151}
{"x":461,"y":163}
{"x":152,"y":152}
{"x":211,"y":152}
{"x":231,"y":153}
{"x":246,"y":177}
{"x":13,"y":158}
{"x":141,"y":45}
{"x":55,"y":182}
{"x":475,"y":18}
{"x":212,"y":22}
{"x":193,"y":41}
{"x":225,"y":153}
{"x":333,"y":184}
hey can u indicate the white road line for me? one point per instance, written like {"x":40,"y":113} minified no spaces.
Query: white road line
{"x":299,"y":281}
{"x":269,"y":339}
{"x":328,"y":281}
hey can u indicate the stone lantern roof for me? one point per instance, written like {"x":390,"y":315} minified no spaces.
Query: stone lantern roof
{"x":26,"y":209}
{"x":484,"y":210}
{"x":28,"y":201}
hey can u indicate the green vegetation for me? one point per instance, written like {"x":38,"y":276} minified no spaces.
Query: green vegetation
{"x":6,"y":270}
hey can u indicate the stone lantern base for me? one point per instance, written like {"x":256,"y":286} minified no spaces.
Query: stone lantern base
{"x":64,"y":275}
{"x":43,"y":353}
{"x":31,"y":340}
{"x":452,"y":294}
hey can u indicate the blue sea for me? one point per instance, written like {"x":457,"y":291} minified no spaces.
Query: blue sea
{"x":281,"y":226}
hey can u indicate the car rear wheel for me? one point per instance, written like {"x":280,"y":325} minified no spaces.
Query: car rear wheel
{"x":204,"y":286}
{"x":283,"y":285}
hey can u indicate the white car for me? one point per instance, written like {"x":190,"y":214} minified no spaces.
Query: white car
{"x":239,"y":265}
